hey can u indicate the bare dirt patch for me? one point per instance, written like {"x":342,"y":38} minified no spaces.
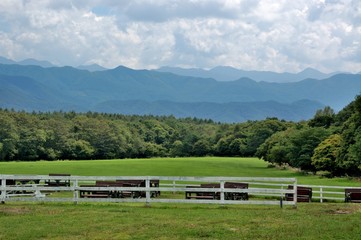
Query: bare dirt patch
{"x":14,"y":210}
{"x":349,"y":210}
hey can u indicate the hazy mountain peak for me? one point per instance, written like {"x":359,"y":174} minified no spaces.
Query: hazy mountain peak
{"x":122,"y":68}
{"x":310,"y":71}
{"x":92,"y":67}
{"x":31,"y":61}
{"x":6,"y":61}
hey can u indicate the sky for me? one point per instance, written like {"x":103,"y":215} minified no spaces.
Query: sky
{"x":265,"y":35}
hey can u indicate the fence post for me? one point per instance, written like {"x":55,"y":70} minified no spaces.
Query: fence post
{"x":174,"y":187}
{"x":295,"y":193}
{"x":76,"y":193}
{"x":147,"y":192}
{"x":281,"y":197}
{"x":321,"y":195}
{"x":3,"y":192}
{"x":222,"y":191}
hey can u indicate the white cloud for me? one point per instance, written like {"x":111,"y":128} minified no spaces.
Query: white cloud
{"x":263,"y":35}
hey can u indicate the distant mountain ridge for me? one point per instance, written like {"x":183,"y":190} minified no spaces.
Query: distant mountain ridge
{"x":220,"y":112}
{"x":29,"y":61}
{"x":47,"y":64}
{"x":67,"y":88}
{"x":219,"y":73}
{"x":223,"y":73}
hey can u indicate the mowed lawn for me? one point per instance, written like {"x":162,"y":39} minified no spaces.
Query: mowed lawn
{"x":205,"y":166}
{"x":176,"y":221}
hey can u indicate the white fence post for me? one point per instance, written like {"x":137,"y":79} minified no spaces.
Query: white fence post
{"x":147,"y":193}
{"x":295,"y":193}
{"x":222,"y":191}
{"x":173,"y":187}
{"x":321,"y":195}
{"x":76,"y":193}
{"x":3,"y":191}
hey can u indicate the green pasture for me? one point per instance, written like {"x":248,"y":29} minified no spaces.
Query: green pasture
{"x":178,"y":221}
{"x":205,"y":166}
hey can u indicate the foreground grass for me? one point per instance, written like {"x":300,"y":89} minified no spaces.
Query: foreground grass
{"x":181,"y":221}
{"x":205,"y":166}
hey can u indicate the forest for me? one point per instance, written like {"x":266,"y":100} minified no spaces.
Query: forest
{"x":329,"y":143}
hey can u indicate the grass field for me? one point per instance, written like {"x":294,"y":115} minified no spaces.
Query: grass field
{"x":181,"y":221}
{"x":176,"y":221}
{"x":206,"y":166}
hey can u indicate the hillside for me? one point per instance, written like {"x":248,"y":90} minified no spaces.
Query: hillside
{"x":67,"y":88}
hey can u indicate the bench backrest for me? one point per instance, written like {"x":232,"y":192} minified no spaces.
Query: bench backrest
{"x":355,"y":195}
{"x":134,"y":183}
{"x":226,"y":185}
{"x":107,"y":184}
{"x":302,"y":191}
{"x":59,"y":174}
{"x":352,"y":190}
{"x":235,"y":185}
{"x":210,"y":185}
{"x":139,"y":183}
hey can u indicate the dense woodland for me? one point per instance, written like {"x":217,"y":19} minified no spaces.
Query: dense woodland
{"x":328,"y":142}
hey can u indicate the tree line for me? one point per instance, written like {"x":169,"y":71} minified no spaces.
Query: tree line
{"x":329,"y":142}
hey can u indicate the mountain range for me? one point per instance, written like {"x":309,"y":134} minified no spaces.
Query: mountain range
{"x":128,"y":91}
{"x":220,"y":73}
{"x":224,"y":73}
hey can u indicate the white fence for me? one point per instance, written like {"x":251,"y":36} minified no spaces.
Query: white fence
{"x":170,"y":189}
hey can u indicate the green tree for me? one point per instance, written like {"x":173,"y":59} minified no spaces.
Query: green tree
{"x":31,"y":145}
{"x":78,"y":149}
{"x":177,"y":149}
{"x":349,"y":158}
{"x":201,"y":148}
{"x":303,"y":143}
{"x":323,"y":118}
{"x":276,"y":149}
{"x":8,"y":137}
{"x":259,"y":131}
{"x":326,"y":153}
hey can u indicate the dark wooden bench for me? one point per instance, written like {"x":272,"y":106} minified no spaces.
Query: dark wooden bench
{"x":140,"y":183}
{"x":304,"y":194}
{"x":216,"y":194}
{"x":353,"y":195}
{"x":100,"y":193}
{"x":236,"y":195}
{"x":202,"y":195}
{"x":58,"y":182}
{"x":118,"y":194}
